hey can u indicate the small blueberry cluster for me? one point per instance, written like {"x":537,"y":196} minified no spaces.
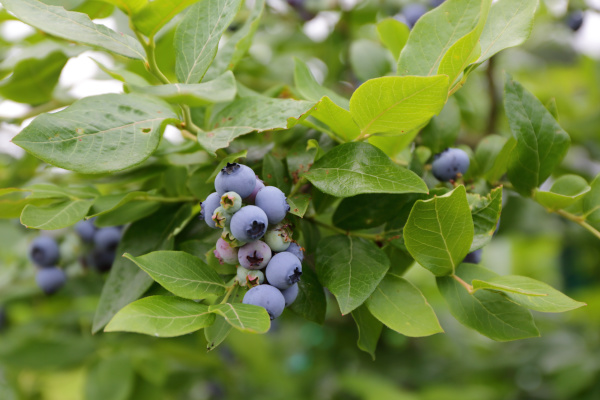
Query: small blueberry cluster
{"x":450,"y":164}
{"x":44,"y":252}
{"x":249,"y":211}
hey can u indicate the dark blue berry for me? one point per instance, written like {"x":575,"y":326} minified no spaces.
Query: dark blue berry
{"x":296,"y":250}
{"x":102,"y":260}
{"x":272,"y":201}
{"x":449,"y":163}
{"x":290,"y":294}
{"x":473,"y":257}
{"x":575,"y":20}
{"x":283,"y":270}
{"x":208,"y":207}
{"x":86,"y":230}
{"x":235,"y":178}
{"x":268,"y":297}
{"x":107,"y":239}
{"x":412,"y":12}
{"x":249,"y":224}
{"x":50,"y":279}
{"x":44,"y":251}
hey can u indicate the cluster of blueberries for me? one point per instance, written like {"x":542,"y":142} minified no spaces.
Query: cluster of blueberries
{"x":248,"y":211}
{"x":44,"y":252}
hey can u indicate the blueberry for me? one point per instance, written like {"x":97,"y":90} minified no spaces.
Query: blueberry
{"x":44,"y":251}
{"x":249,"y":224}
{"x":235,"y":178}
{"x":259,"y":185}
{"x":208,"y":208}
{"x":221,"y":217}
{"x":231,"y":202}
{"x":107,"y":239}
{"x":473,"y":257}
{"x":279,"y":237}
{"x":268,"y":297}
{"x":296,"y":250}
{"x":449,"y":163}
{"x":283,"y":270}
{"x":575,"y":20}
{"x":102,"y":260}
{"x":412,"y":12}
{"x":255,"y":255}
{"x":272,"y":201}
{"x":290,"y":294}
{"x":250,"y":278}
{"x":50,"y":279}
{"x":226,"y":253}
{"x":86,"y":230}
{"x":436,"y":3}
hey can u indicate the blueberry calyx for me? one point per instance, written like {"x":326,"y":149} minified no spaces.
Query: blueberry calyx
{"x":230,"y":168}
{"x":256,"y":229}
{"x":295,"y":277}
{"x":254,"y":259}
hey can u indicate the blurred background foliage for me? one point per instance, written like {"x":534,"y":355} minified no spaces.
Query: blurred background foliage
{"x":46,"y":348}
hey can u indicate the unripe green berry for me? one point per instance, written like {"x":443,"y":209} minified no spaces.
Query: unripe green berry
{"x":279,"y":237}
{"x":222,"y":217}
{"x":231,"y":201}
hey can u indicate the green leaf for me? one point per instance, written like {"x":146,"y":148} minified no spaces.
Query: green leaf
{"x":128,"y":212}
{"x":299,"y":204}
{"x":487,"y":152}
{"x":369,"y":330}
{"x":110,"y":378}
{"x":155,"y":14}
{"x":219,"y":90}
{"x":564,"y":192}
{"x":311,"y":303}
{"x":337,"y":118}
{"x":434,"y":34}
{"x":368,"y":59}
{"x":197,"y":37}
{"x":591,"y":202}
{"x":366,"y":211}
{"x":236,"y":46}
{"x":310,"y":89}
{"x":33,"y":80}
{"x":466,"y":50}
{"x":351,"y":268}
{"x":402,"y":307}
{"x":541,"y":142}
{"x":485,"y":211}
{"x":104,"y":204}
{"x":216,"y":333}
{"x":181,"y":273}
{"x":393,"y":34}
{"x":397,"y":105}
{"x":129,"y":7}
{"x":97,"y":134}
{"x":274,"y":173}
{"x":126,"y":281}
{"x":439,"y":231}
{"x":50,"y":191}
{"x":509,"y":24}
{"x":55,"y":216}
{"x":490,"y":314}
{"x":73,"y":26}
{"x":500,"y":162}
{"x":443,"y":129}
{"x":161,"y":316}
{"x":250,"y":114}
{"x":355,"y":168}
{"x":529,"y":293}
{"x":244,"y":317}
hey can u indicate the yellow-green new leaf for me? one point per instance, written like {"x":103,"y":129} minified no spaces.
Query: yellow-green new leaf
{"x":564,"y":192}
{"x":393,"y":35}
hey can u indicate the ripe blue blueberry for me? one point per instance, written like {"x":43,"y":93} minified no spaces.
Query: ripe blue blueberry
{"x":272,"y":201}
{"x":279,"y":237}
{"x":107,"y":239}
{"x":575,"y":20}
{"x":436,"y":3}
{"x":249,"y":224}
{"x":86,"y":230}
{"x":44,"y":251}
{"x":296,"y":250}
{"x":231,"y":202}
{"x":473,"y":257}
{"x":50,"y":279}
{"x":290,"y":294}
{"x":235,"y":178}
{"x":268,"y":297}
{"x":102,"y":260}
{"x":208,"y":207}
{"x":259,"y":185}
{"x":225,"y":252}
{"x":255,"y":255}
{"x":412,"y":12}
{"x":283,"y":270}
{"x":449,"y":163}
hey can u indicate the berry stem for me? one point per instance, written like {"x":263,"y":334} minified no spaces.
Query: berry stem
{"x":297,"y":186}
{"x":229,"y":291}
{"x":578,"y":220}
{"x":464,"y":284}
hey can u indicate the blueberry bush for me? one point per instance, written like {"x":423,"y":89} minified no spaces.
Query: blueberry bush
{"x":305,"y":180}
